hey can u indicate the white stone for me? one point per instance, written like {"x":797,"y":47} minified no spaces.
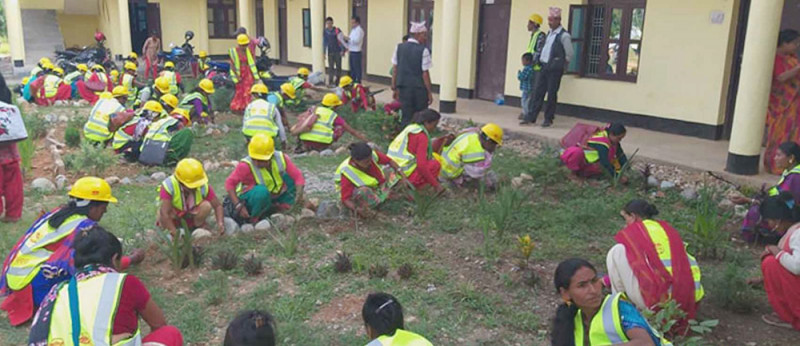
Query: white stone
{"x":665,"y":185}
{"x":125,"y":181}
{"x":526,"y":177}
{"x":516,"y":182}
{"x":43,"y":184}
{"x":158,"y":176}
{"x":263,"y":226}
{"x":313,"y":203}
{"x":326,"y":152}
{"x":63,"y":119}
{"x":201,"y":233}
{"x":313,"y":153}
{"x":51,"y":118}
{"x":653,"y":182}
{"x":281,"y":221}
{"x":61,"y":181}
{"x":112,"y":180}
{"x":225,"y":128}
{"x":689,"y":193}
{"x":247,"y":228}
{"x":209,"y":131}
{"x":231,"y":227}
{"x":142,"y":179}
{"x":307,"y":214}
{"x":341,"y":150}
{"x":726,"y":204}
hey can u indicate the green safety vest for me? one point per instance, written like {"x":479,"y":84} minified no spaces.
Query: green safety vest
{"x":236,"y":66}
{"x":173,"y":188}
{"x":98,"y":302}
{"x":356,"y":176}
{"x":172,"y":77}
{"x":33,"y":252}
{"x":72,"y":76}
{"x":159,"y":131}
{"x":532,"y":47}
{"x":259,"y":117}
{"x":466,"y":148}
{"x":398,"y":149}
{"x":121,"y":137}
{"x":96,"y":128}
{"x":659,"y":238}
{"x":322,"y":130}
{"x":202,"y":64}
{"x":187,"y":104}
{"x":776,"y":190}
{"x":270,"y":178}
{"x":606,"y":325}
{"x":401,"y":338}
{"x":51,"y":83}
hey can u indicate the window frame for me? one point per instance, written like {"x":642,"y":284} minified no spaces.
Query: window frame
{"x":218,"y":5}
{"x":306,"y":22}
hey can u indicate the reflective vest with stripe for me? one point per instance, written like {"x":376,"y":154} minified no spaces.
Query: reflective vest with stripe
{"x":121,"y":137}
{"x":173,"y":188}
{"x":398,"y":149}
{"x":601,"y":138}
{"x":466,"y":148}
{"x":606,"y":325}
{"x":659,"y":238}
{"x":279,"y":97}
{"x":322,"y":130}
{"x":51,"y":83}
{"x":236,"y":66}
{"x":173,"y":81}
{"x":35,"y":71}
{"x":27,"y":262}
{"x":270,"y":178}
{"x":127,"y":82}
{"x":297,"y":83}
{"x":98,"y":301}
{"x":401,"y":338}
{"x":87,"y":75}
{"x":202,"y":64}
{"x":776,"y":190}
{"x":159,"y":131}
{"x":356,"y":176}
{"x":187,"y":104}
{"x":532,"y":47}
{"x":96,"y":127}
{"x":72,"y":77}
{"x":259,"y":117}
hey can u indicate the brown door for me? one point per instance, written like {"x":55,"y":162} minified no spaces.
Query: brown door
{"x":492,"y":48}
{"x":360,"y":10}
{"x":259,"y":17}
{"x":154,"y":18}
{"x":284,"y":52}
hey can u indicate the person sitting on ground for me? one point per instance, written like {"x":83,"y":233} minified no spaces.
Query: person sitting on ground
{"x":264,"y":182}
{"x":173,"y":77}
{"x":384,"y":324}
{"x":787,"y":157}
{"x":133,"y":58}
{"x":129,"y":81}
{"x":170,"y":130}
{"x":251,"y":328}
{"x":100,"y":128}
{"x":186,"y":199}
{"x":650,"y":264}
{"x":169,"y":102}
{"x":42,"y":257}
{"x":356,"y":94}
{"x":73,"y":77}
{"x":603,"y":153}
{"x":103,"y":303}
{"x":588,"y":316}
{"x":154,"y":92}
{"x":468,"y":159}
{"x":40,"y":68}
{"x":202,"y":62}
{"x":300,"y":84}
{"x":328,"y":127}
{"x":413,"y":150}
{"x":94,"y":84}
{"x":278,"y":98}
{"x":264,"y":117}
{"x":128,"y":138}
{"x":362,"y":182}
{"x":198,"y":102}
{"x":53,"y":88}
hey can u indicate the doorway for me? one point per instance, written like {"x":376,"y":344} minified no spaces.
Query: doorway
{"x":492,"y":48}
{"x":360,"y":10}
{"x":282,"y":41}
{"x":421,"y":11}
{"x":144,"y":18}
{"x":736,"y":67}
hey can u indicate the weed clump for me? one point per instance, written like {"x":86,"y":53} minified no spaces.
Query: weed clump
{"x":72,"y":137}
{"x":731,"y":291}
{"x":252,"y":265}
{"x":405,"y":272}
{"x":225,"y":260}
{"x":342,"y":263}
{"x":707,"y":236}
{"x":378,"y":271}
{"x":90,"y":159}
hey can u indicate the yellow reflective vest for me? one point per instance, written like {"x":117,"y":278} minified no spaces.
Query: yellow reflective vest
{"x":51,"y":84}
{"x":121,"y":137}
{"x":401,"y":338}
{"x":271,"y":178}
{"x":173,"y":188}
{"x":187,"y":104}
{"x":606,"y":325}
{"x":775,"y":190}
{"x":72,"y":77}
{"x":532,"y":47}
{"x":259,"y":117}
{"x":173,"y":81}
{"x":659,"y":238}
{"x":159,"y":131}
{"x":398,"y":149}
{"x":96,"y":128}
{"x":356,"y":176}
{"x":33,"y":252}
{"x":236,"y":66}
{"x":98,"y":301}
{"x":322,"y":130}
{"x":466,"y":148}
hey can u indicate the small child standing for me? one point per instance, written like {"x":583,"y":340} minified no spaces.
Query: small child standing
{"x":525,"y":76}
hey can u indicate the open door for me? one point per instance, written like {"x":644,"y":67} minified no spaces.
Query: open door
{"x":360,"y":10}
{"x":492,"y":48}
{"x":137,"y":15}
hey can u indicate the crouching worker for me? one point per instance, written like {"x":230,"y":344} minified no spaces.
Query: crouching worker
{"x":383,"y":321}
{"x":99,"y":128}
{"x":103,"y":304}
{"x":198,"y":102}
{"x":261,"y":116}
{"x":362,"y":181}
{"x":167,"y":140}
{"x":264,"y":182}
{"x":469,"y":157}
{"x":328,"y":127}
{"x":602,"y":153}
{"x":412,"y":150}
{"x":187,"y":199}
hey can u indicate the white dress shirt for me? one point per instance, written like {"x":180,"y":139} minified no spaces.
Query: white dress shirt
{"x":356,"y":38}
{"x":427,"y":63}
{"x":566,"y":42}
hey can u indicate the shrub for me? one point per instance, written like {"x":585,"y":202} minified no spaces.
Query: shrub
{"x":730,"y":289}
{"x":225,"y":260}
{"x":342,"y":263}
{"x":252,"y":265}
{"x":378,"y":271}
{"x":72,"y":137}
{"x":26,"y":151}
{"x":706,"y":237}
{"x":500,"y":212}
{"x":35,"y":125}
{"x":90,"y":159}
{"x":424,"y":200}
{"x":179,"y":250}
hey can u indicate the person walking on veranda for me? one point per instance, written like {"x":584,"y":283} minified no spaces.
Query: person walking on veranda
{"x":556,"y":55}
{"x":411,"y":80}
{"x":150,"y":50}
{"x":243,"y":72}
{"x":332,"y":39}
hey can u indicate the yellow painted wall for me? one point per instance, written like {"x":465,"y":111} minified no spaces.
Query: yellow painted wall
{"x":178,"y":16}
{"x":77,"y":30}
{"x":271,"y":27}
{"x":107,"y":23}
{"x":386,"y":29}
{"x":683,"y":64}
{"x":467,"y":41}
{"x":294,"y":35}
{"x":41,"y":4}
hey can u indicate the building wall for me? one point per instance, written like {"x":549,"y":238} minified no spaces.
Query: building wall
{"x":294,"y":32}
{"x":108,"y":24}
{"x":271,"y":27}
{"x":467,"y":43}
{"x":77,"y":30}
{"x":386,"y":28}
{"x":41,"y":4}
{"x":178,"y":16}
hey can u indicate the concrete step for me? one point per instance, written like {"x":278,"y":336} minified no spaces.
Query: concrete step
{"x":42,"y":35}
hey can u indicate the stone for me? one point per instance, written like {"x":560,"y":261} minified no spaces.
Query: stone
{"x":313,"y":153}
{"x":665,"y":185}
{"x":201,"y":233}
{"x":125,"y":181}
{"x":329,"y":210}
{"x":43,"y":184}
{"x":516,"y":182}
{"x":526,"y":177}
{"x":61,"y":181}
{"x":263,"y":226}
{"x":142,"y":179}
{"x":209,"y":131}
{"x":281,"y":221}
{"x":63,"y":119}
{"x":726,"y":204}
{"x":225,"y":128}
{"x":50,"y":118}
{"x":326,"y":152}
{"x":689,"y":193}
{"x":341,"y":150}
{"x":653,"y":182}
{"x":247,"y":228}
{"x":307,"y":214}
{"x":740,"y":211}
{"x":158,"y":176}
{"x":312,"y":203}
{"x":231,"y":227}
{"x":112,"y":180}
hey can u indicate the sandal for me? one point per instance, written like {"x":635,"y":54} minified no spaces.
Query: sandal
{"x":773,"y":320}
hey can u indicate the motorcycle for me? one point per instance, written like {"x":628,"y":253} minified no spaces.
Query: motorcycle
{"x":70,"y":58}
{"x":182,"y":56}
{"x":264,"y":66}
{"x":218,"y":73}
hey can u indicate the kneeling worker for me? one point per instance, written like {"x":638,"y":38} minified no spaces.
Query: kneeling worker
{"x":99,"y":128}
{"x":263,"y":182}
{"x":328,"y":127}
{"x":362,"y":181}
{"x":186,"y":197}
{"x":412,"y":149}
{"x":469,"y":156}
{"x":261,"y":116}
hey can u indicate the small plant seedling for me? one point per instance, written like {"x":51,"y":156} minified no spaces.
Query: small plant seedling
{"x":252,"y":265}
{"x":342,"y":263}
{"x":225,"y":260}
{"x":405,"y":272}
{"x":378,"y":271}
{"x":72,"y":137}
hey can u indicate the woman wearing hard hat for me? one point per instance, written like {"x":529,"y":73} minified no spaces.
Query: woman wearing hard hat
{"x":187,"y":199}
{"x":469,"y":156}
{"x":243,"y":72}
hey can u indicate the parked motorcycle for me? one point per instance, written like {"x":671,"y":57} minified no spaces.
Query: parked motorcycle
{"x":264,"y":66}
{"x":183,"y":56}
{"x":218,"y":73}
{"x":70,"y":58}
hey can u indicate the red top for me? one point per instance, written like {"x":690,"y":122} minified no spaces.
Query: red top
{"x":418,"y":146}
{"x":242,"y":174}
{"x":133,"y":299}
{"x":357,"y":91}
{"x":373,"y":171}
{"x":167,"y":197}
{"x":8,"y":153}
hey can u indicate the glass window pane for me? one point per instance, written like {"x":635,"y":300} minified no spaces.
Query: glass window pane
{"x":633,"y":59}
{"x":232,"y":16}
{"x":595,"y":50}
{"x":211,"y":32}
{"x":616,"y":24}
{"x":576,"y":26}
{"x":575,"y":63}
{"x":637,"y":23}
{"x":613,"y":52}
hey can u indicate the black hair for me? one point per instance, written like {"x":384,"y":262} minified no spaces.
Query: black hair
{"x":527,"y":57}
{"x":641,"y":208}
{"x":383,"y":313}
{"x":790,"y":149}
{"x":616,"y":129}
{"x":251,"y":328}
{"x":787,"y":36}
{"x":95,"y":245}
{"x":780,"y":207}
{"x":360,"y":151}
{"x":405,"y":37}
{"x":241,"y":30}
{"x":357,"y":19}
{"x":329,"y":19}
{"x":70,"y":209}
{"x":563,"y":333}
{"x":425,"y":116}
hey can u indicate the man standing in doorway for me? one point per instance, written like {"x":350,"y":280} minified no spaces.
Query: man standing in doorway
{"x":354,"y":42}
{"x":535,"y":46}
{"x":555,"y":57}
{"x":331,"y":39}
{"x":150,"y":50}
{"x":411,"y":80}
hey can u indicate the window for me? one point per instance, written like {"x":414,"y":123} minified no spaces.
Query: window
{"x":607,"y":38}
{"x":306,"y":27}
{"x":421,"y":11}
{"x":221,"y":18}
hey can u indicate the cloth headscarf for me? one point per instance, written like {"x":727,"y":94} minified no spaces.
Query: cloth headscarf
{"x":418,"y":27}
{"x":555,"y":12}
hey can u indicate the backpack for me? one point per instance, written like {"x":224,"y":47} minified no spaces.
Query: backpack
{"x":579,"y":135}
{"x":305,"y":121}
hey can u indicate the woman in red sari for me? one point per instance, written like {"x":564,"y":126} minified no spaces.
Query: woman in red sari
{"x":243,"y":68}
{"x":783,"y":114}
{"x":780,"y":264}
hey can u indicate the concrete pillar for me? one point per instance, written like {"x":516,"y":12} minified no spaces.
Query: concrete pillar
{"x":16,"y":40}
{"x":125,"y":44}
{"x":247,"y":16}
{"x":317,"y":26}
{"x":448,"y":89}
{"x":763,"y":25}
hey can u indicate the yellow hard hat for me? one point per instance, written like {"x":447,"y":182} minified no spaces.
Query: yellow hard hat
{"x":169,"y":64}
{"x":242,"y":39}
{"x":190,"y":173}
{"x":48,"y":66}
{"x":303,"y":72}
{"x":45,"y":61}
{"x":98,"y":67}
{"x":153,"y":106}
{"x":169,"y":100}
{"x":114,"y":73}
{"x":289,"y":90}
{"x":261,"y":147}
{"x":162,"y":84}
{"x":83,"y":67}
{"x":106,"y":95}
{"x":59,"y":71}
{"x":25,"y":80}
{"x":331,"y":100}
{"x":130,"y":66}
{"x":494,"y":132}
{"x":133,"y":55}
{"x":345,"y":81}
{"x":259,"y":89}
{"x":202,"y":54}
{"x":184,"y":114}
{"x":206,"y":85}
{"x":92,"y":189}
{"x":536,"y":18}
{"x":119,"y":90}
